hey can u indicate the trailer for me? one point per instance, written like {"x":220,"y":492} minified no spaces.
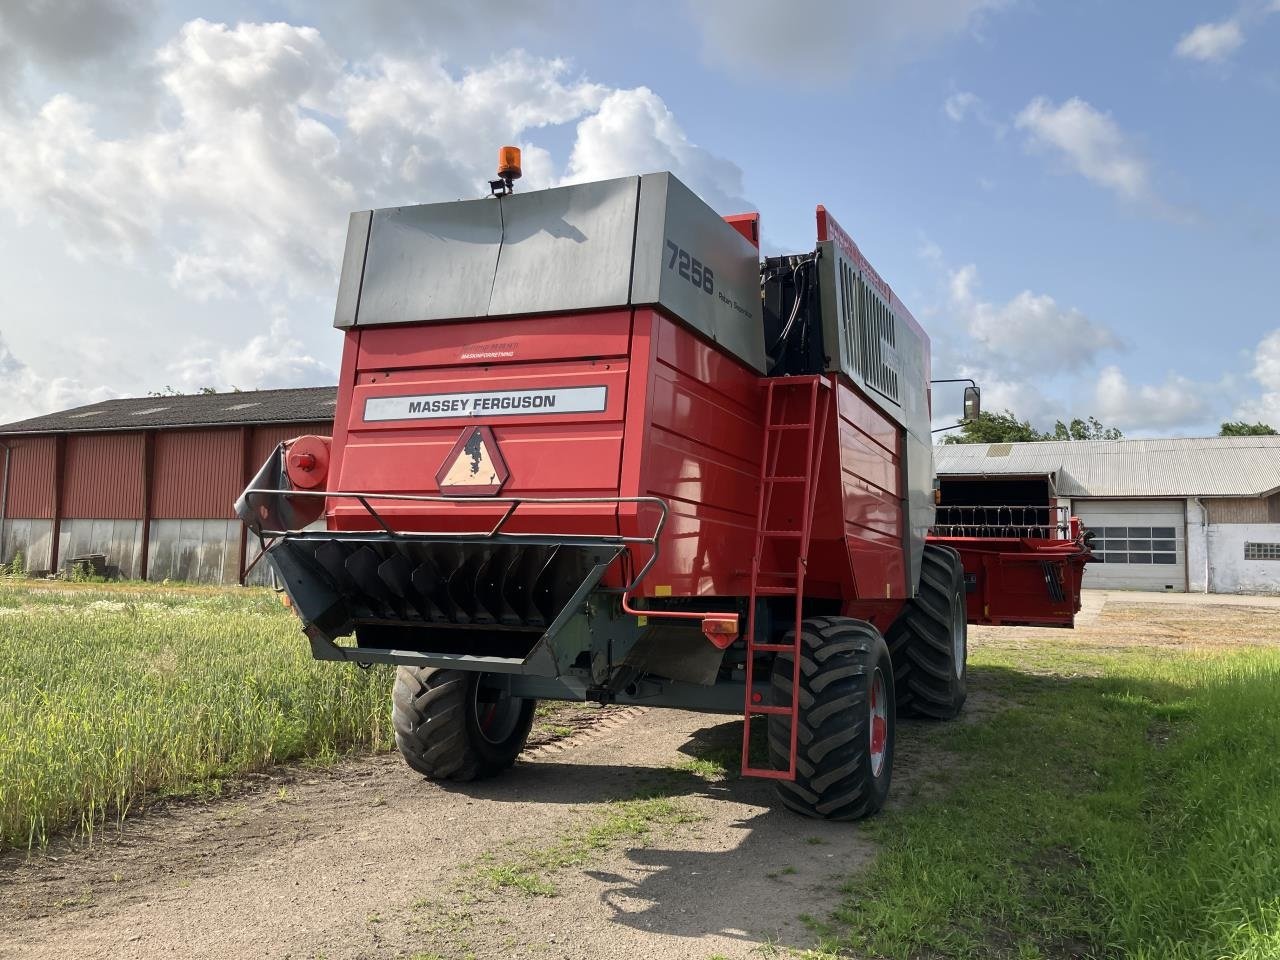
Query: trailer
{"x":589,"y":446}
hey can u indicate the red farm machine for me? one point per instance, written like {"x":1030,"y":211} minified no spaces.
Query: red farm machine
{"x":589,"y":446}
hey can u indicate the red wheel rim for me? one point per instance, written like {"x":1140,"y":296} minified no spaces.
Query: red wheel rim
{"x":878,"y":732}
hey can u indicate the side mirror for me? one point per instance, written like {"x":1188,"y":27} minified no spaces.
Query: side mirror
{"x":972,"y":404}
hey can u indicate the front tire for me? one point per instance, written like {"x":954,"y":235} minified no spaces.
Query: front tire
{"x":929,"y":642}
{"x":448,"y":727}
{"x":845,"y":729}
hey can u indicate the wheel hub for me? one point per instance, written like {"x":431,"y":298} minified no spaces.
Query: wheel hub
{"x":496,"y":719}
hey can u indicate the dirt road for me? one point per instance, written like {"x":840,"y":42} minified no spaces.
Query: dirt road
{"x":556,"y":859}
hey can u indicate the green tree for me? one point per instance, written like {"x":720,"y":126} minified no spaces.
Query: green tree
{"x":1088,"y":429}
{"x":996,"y":428}
{"x":1007,"y":428}
{"x":1238,"y":428}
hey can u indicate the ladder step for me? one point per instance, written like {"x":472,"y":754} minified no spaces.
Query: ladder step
{"x":800,"y":478}
{"x":789,"y":426}
{"x":772,"y":710}
{"x":776,"y":591}
{"x":788,"y":534}
{"x":767,"y":773}
{"x":773,"y":648}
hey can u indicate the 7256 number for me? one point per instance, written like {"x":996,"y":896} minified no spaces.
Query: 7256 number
{"x":691,"y":268}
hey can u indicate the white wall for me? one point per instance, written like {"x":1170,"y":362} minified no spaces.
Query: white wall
{"x":1197,"y":547}
{"x":1229,"y":571}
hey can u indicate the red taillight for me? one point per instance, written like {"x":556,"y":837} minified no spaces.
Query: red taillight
{"x":306,"y":461}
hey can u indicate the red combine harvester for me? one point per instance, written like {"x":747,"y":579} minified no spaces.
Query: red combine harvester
{"x":588,"y":446}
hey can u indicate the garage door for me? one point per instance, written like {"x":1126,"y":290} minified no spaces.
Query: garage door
{"x":1137,"y":545}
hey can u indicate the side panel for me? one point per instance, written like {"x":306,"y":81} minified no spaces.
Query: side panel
{"x":103,"y":477}
{"x":435,"y":261}
{"x":875,"y":341}
{"x":700,"y":450}
{"x":697,"y":267}
{"x":861,"y":494}
{"x":196,"y":474}
{"x":31,"y":465}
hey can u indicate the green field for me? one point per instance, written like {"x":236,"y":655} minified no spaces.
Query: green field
{"x":1119,"y":802}
{"x":113,"y":695}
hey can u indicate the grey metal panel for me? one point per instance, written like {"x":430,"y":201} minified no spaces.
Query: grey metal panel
{"x":566,"y":249}
{"x":727,"y":310}
{"x":344,"y":313}
{"x":884,"y":357}
{"x":430,"y":262}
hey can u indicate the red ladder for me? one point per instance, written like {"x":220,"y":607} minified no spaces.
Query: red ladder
{"x":795,"y":417}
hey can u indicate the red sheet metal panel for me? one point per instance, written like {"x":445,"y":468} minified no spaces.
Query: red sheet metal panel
{"x":1012,"y":581}
{"x":197,"y":474}
{"x":573,"y":452}
{"x":860,"y":494}
{"x":102,"y":478}
{"x":30,"y":478}
{"x":700,"y":451}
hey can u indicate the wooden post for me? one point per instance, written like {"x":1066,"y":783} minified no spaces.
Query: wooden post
{"x":59,"y":469}
{"x":148,"y":486}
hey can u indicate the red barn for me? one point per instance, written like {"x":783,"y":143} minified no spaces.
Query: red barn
{"x":146,"y":483}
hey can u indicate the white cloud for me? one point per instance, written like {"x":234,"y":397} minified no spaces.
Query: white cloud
{"x":27,"y":394}
{"x":1211,"y":41}
{"x":1266,"y":371}
{"x":1174,"y":403}
{"x":633,"y":130}
{"x":821,"y":41}
{"x":272,"y":359}
{"x":1090,"y":141}
{"x":271,"y":139}
{"x":1022,"y":333}
{"x":959,"y":105}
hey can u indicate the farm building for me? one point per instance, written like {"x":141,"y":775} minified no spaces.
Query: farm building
{"x":1197,"y":515}
{"x":146,"y":483}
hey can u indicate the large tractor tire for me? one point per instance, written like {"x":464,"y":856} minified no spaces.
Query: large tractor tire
{"x":447,"y":728}
{"x":929,"y":642}
{"x":844,"y":746}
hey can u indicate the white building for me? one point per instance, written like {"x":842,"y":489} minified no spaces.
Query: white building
{"x":1199,"y":515}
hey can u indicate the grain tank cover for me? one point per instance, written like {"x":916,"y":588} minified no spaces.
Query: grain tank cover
{"x":636,"y":241}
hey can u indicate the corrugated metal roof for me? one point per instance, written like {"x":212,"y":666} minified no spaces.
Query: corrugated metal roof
{"x":1207,"y":467}
{"x":300,"y":405}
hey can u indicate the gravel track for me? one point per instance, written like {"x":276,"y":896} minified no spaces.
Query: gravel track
{"x":368,"y":860}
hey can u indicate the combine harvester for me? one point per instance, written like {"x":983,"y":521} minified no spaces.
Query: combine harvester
{"x":588,"y":446}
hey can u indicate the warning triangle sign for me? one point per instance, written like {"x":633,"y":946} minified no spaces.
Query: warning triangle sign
{"x":474,"y":467}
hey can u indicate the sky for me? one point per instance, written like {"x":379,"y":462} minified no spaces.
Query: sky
{"x":1079,"y":201}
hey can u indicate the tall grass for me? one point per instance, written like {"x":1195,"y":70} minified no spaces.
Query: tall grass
{"x":111,"y":696}
{"x":1135,"y":813}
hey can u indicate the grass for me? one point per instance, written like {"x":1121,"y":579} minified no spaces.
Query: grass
{"x":111,"y":696}
{"x":1124,"y":803}
{"x":622,"y":821}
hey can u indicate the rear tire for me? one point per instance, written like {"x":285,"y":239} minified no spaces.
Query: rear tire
{"x":929,"y":642}
{"x":844,"y":747}
{"x":447,"y":728}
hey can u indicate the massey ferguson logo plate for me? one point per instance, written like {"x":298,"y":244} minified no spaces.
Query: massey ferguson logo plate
{"x":486,"y":403}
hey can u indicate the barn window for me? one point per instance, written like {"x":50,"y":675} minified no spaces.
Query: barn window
{"x":1262,"y":551}
{"x":1156,"y":545}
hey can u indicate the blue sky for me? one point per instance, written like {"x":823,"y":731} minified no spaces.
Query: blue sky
{"x":1081,"y":202}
